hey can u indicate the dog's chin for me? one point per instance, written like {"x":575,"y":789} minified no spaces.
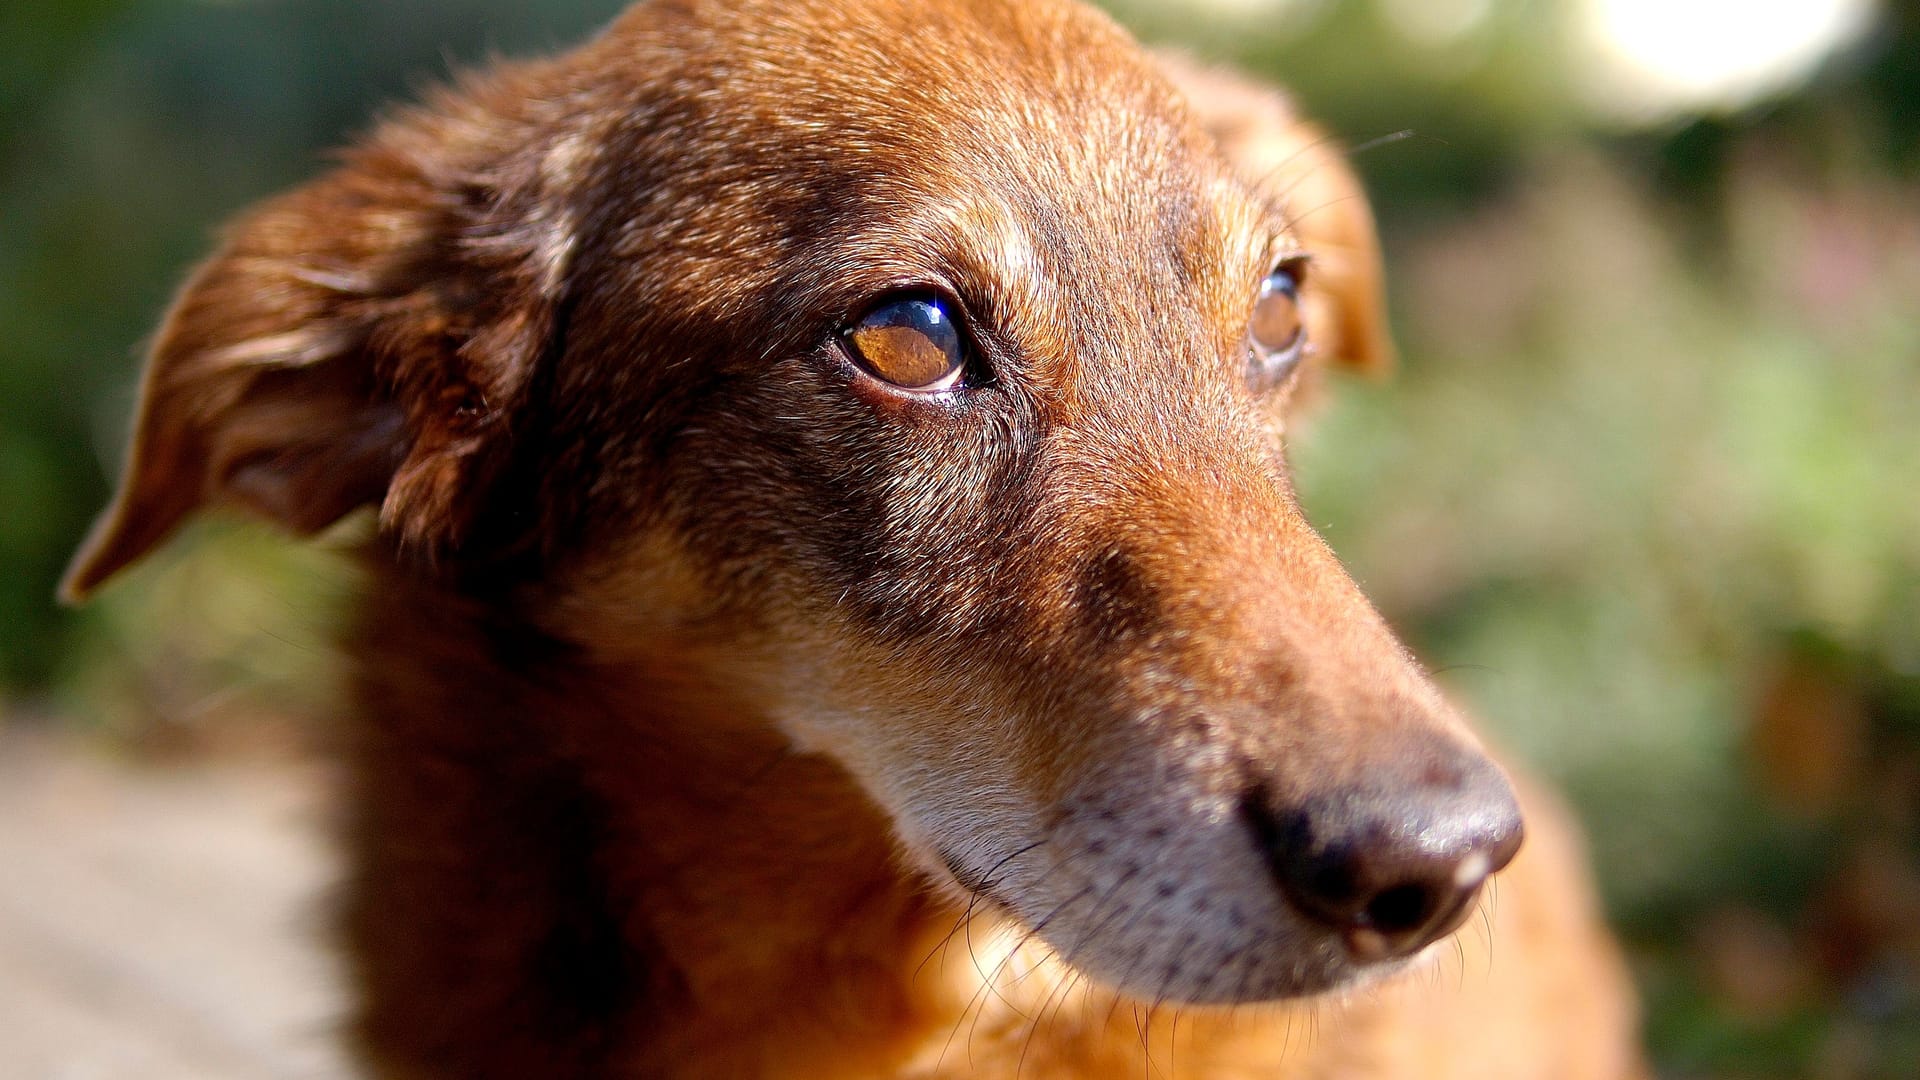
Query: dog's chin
{"x":1165,"y":947}
{"x":1192,"y":967}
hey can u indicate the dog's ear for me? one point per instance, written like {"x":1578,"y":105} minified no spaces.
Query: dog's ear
{"x":1298,"y":165}
{"x":362,"y":340}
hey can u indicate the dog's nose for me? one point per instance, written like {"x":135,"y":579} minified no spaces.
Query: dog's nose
{"x":1393,"y":866}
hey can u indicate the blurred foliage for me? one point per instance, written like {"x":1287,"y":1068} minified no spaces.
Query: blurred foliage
{"x":129,"y":129}
{"x":1645,"y":491}
{"x":1659,"y":529}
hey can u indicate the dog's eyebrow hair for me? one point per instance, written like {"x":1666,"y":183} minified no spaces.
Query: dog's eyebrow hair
{"x":1249,"y":231}
{"x":990,"y":251}
{"x":1251,"y":213}
{"x":998,"y":244}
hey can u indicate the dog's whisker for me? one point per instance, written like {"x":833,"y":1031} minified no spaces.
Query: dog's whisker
{"x":1038,"y":929}
{"x":1062,"y":991}
{"x":1379,"y":141}
{"x":974,"y":896}
{"x":1292,"y":159}
{"x":977,"y":1001}
{"x":1294,"y":221}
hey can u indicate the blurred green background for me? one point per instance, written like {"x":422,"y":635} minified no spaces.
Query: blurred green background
{"x":1646,"y":491}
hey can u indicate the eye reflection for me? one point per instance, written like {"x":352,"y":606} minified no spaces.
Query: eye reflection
{"x":912,"y":342}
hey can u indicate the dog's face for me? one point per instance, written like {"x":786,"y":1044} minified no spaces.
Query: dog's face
{"x":920,"y":370}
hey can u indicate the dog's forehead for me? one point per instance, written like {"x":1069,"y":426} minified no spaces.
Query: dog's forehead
{"x":974,"y":84}
{"x":859,"y":50}
{"x":1030,"y":146}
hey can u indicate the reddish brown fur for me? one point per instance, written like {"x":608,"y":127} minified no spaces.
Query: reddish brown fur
{"x":718,"y":705}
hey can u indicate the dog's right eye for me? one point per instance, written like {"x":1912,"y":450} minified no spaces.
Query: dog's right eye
{"x":1277,"y":335}
{"x":912,"y":342}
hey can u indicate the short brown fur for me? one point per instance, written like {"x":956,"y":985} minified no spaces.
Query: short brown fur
{"x":723,"y":711}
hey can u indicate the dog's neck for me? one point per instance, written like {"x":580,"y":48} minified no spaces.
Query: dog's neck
{"x":764,"y":880}
{"x":653,"y":865}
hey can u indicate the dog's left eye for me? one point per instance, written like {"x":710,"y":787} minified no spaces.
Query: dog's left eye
{"x":912,"y":342}
{"x":1277,"y":334}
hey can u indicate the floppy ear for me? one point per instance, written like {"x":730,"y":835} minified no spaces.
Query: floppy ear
{"x":365,"y":339}
{"x":1301,"y":167}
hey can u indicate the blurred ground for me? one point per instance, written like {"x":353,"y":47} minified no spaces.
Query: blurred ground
{"x":160,"y":922}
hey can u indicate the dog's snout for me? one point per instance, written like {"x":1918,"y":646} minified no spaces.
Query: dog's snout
{"x":1392,"y":867}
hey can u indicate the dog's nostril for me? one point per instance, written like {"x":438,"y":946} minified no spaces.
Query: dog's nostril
{"x":1390,"y":872}
{"x":1387,"y":901}
{"x":1388,"y":896}
{"x":1399,"y":909}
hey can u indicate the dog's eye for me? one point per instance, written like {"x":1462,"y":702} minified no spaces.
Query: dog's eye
{"x":1277,"y":335}
{"x":911,"y":342}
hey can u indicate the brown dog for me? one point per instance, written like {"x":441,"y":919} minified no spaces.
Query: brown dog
{"x":840,"y":607}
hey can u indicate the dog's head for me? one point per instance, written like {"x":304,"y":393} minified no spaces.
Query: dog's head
{"x":923,"y":368}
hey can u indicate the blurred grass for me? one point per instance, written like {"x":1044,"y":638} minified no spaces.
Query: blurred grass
{"x":1646,"y":491}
